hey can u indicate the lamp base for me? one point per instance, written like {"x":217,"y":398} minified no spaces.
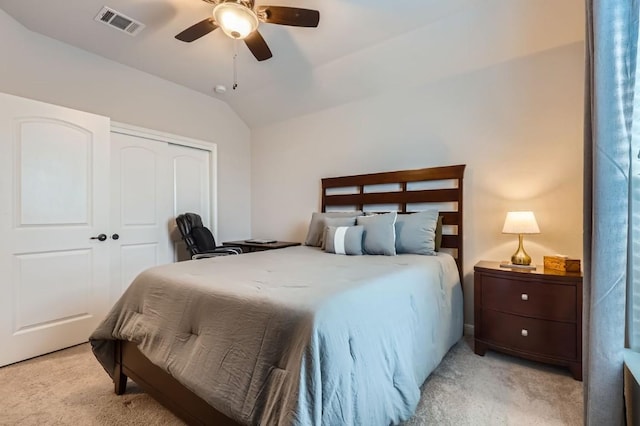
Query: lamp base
{"x":520,"y":257}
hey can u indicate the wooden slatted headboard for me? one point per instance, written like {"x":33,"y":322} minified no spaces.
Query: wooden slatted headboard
{"x":403,"y":196}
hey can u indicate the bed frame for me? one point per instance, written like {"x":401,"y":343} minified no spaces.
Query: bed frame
{"x":131,"y":363}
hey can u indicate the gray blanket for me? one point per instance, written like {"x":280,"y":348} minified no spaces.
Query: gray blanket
{"x":294,"y":336}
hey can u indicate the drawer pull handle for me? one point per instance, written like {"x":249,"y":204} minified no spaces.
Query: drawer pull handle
{"x":524,"y":332}
{"x":524,"y":296}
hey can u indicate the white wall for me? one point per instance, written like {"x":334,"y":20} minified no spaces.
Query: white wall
{"x":517,"y":125}
{"x":37,"y":67}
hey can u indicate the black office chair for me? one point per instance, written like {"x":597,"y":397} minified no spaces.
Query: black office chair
{"x":199,"y":239}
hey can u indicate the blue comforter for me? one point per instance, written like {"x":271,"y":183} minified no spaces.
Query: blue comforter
{"x":295,"y":336}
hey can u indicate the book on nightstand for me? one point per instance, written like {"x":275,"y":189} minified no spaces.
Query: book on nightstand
{"x":514,"y":266}
{"x":260,"y":241}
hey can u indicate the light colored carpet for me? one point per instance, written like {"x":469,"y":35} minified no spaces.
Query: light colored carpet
{"x":69,"y":387}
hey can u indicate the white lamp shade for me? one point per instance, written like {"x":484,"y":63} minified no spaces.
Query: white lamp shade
{"x":236,"y":20}
{"x":520,"y":223}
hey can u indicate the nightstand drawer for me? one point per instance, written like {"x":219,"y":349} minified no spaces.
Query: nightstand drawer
{"x":549,"y":338}
{"x":534,"y":299}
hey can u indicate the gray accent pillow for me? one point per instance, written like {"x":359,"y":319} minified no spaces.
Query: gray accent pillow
{"x":379,"y":235}
{"x":335,"y":221}
{"x":416,"y":232}
{"x":316,"y":226}
{"x":344,"y":240}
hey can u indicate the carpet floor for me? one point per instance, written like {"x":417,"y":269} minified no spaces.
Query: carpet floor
{"x":69,"y":387}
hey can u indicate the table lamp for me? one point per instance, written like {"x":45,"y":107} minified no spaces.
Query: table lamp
{"x":520,"y":223}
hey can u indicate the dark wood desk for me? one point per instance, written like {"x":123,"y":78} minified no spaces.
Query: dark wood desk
{"x":251,"y":247}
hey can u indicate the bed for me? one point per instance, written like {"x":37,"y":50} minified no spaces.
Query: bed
{"x":297,"y":335}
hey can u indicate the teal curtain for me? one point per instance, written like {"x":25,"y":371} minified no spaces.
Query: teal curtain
{"x":611,"y":51}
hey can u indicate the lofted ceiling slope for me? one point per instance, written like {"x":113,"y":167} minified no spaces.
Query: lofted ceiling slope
{"x":361,"y":47}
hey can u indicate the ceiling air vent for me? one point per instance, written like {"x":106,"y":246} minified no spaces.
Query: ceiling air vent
{"x":119,"y":21}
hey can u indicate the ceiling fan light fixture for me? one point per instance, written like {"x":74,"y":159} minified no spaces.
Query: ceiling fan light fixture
{"x":236,"y":20}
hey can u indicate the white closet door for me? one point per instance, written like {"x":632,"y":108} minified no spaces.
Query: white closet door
{"x":191,"y":175}
{"x":54,"y":177}
{"x":140,"y":207}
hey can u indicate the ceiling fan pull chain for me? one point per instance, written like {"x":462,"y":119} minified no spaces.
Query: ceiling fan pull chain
{"x":235,"y":64}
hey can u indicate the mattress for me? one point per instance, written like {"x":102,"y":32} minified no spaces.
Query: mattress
{"x":294,"y":336}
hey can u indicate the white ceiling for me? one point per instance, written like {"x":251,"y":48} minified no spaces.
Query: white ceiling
{"x":353,"y":51}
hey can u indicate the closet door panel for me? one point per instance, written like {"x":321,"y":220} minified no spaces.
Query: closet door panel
{"x":48,"y":170}
{"x":153,"y":179}
{"x":191,"y":181}
{"x":139,"y":186}
{"x":35,"y":304}
{"x":134,"y":259}
{"x":140,"y":206}
{"x":191,"y":190}
{"x":54,"y":169}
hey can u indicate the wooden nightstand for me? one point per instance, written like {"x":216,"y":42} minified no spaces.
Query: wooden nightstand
{"x":251,"y":247}
{"x":533,"y":314}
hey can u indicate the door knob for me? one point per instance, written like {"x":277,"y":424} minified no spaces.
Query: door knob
{"x":100,"y":237}
{"x":115,"y":236}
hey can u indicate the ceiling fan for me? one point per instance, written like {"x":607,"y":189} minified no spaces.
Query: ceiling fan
{"x":239,"y":19}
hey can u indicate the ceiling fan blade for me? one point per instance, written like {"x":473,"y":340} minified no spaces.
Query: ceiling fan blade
{"x":198,"y":30}
{"x":258,"y":46}
{"x":289,"y":16}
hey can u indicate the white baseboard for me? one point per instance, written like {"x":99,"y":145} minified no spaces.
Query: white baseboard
{"x":468,"y":330}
